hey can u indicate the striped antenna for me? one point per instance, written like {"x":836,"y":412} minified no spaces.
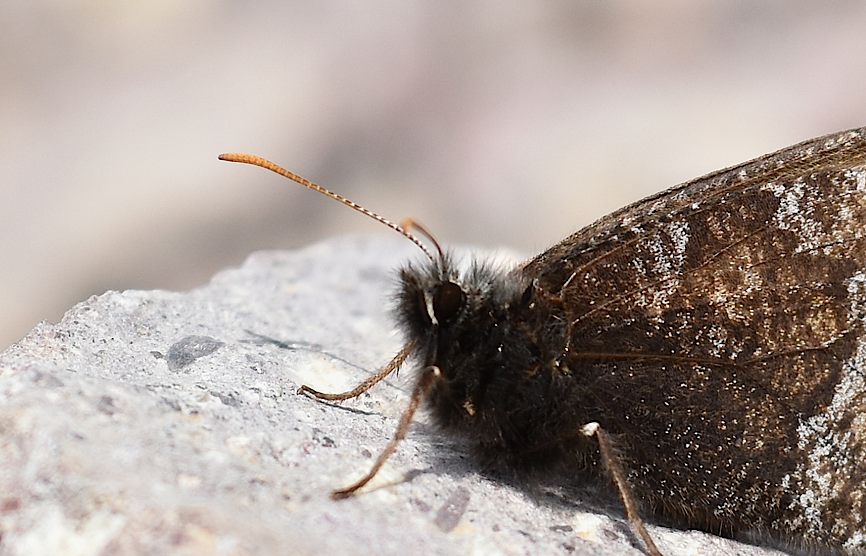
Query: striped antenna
{"x":254,"y":160}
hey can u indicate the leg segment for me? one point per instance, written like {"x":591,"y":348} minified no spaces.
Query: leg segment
{"x":395,"y":364}
{"x":611,"y":462}
{"x":429,"y":376}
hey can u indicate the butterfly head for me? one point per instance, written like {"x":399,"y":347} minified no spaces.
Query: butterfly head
{"x":446,"y":310}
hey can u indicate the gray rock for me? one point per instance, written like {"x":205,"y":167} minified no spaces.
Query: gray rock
{"x":153,"y":422}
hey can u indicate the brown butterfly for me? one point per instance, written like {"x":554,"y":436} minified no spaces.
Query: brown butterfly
{"x":702,"y":350}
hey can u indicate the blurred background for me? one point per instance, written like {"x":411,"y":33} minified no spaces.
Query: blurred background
{"x":495,"y":123}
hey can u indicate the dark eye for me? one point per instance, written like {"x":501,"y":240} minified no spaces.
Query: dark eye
{"x":448,"y":299}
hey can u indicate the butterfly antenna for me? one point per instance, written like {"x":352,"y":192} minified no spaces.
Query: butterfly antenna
{"x":254,"y":160}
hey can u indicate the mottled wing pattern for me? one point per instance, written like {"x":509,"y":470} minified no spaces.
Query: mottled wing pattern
{"x":725,"y":319}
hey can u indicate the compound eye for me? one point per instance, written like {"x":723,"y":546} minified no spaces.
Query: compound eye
{"x":448,"y":299}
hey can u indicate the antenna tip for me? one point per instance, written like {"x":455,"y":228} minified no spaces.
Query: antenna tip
{"x":241,"y":157}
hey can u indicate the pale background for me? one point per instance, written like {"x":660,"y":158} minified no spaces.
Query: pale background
{"x":495,"y":123}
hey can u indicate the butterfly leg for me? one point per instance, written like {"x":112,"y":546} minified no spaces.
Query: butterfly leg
{"x":429,"y":376}
{"x":611,"y":462}
{"x":383,"y":373}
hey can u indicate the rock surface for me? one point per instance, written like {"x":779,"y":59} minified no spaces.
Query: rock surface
{"x":153,"y":422}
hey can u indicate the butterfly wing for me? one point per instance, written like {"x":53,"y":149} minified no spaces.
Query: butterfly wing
{"x":726,"y":315}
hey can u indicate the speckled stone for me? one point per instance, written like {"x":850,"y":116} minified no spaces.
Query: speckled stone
{"x":153,"y":422}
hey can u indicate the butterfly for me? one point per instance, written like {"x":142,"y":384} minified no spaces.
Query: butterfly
{"x":702,"y":351}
